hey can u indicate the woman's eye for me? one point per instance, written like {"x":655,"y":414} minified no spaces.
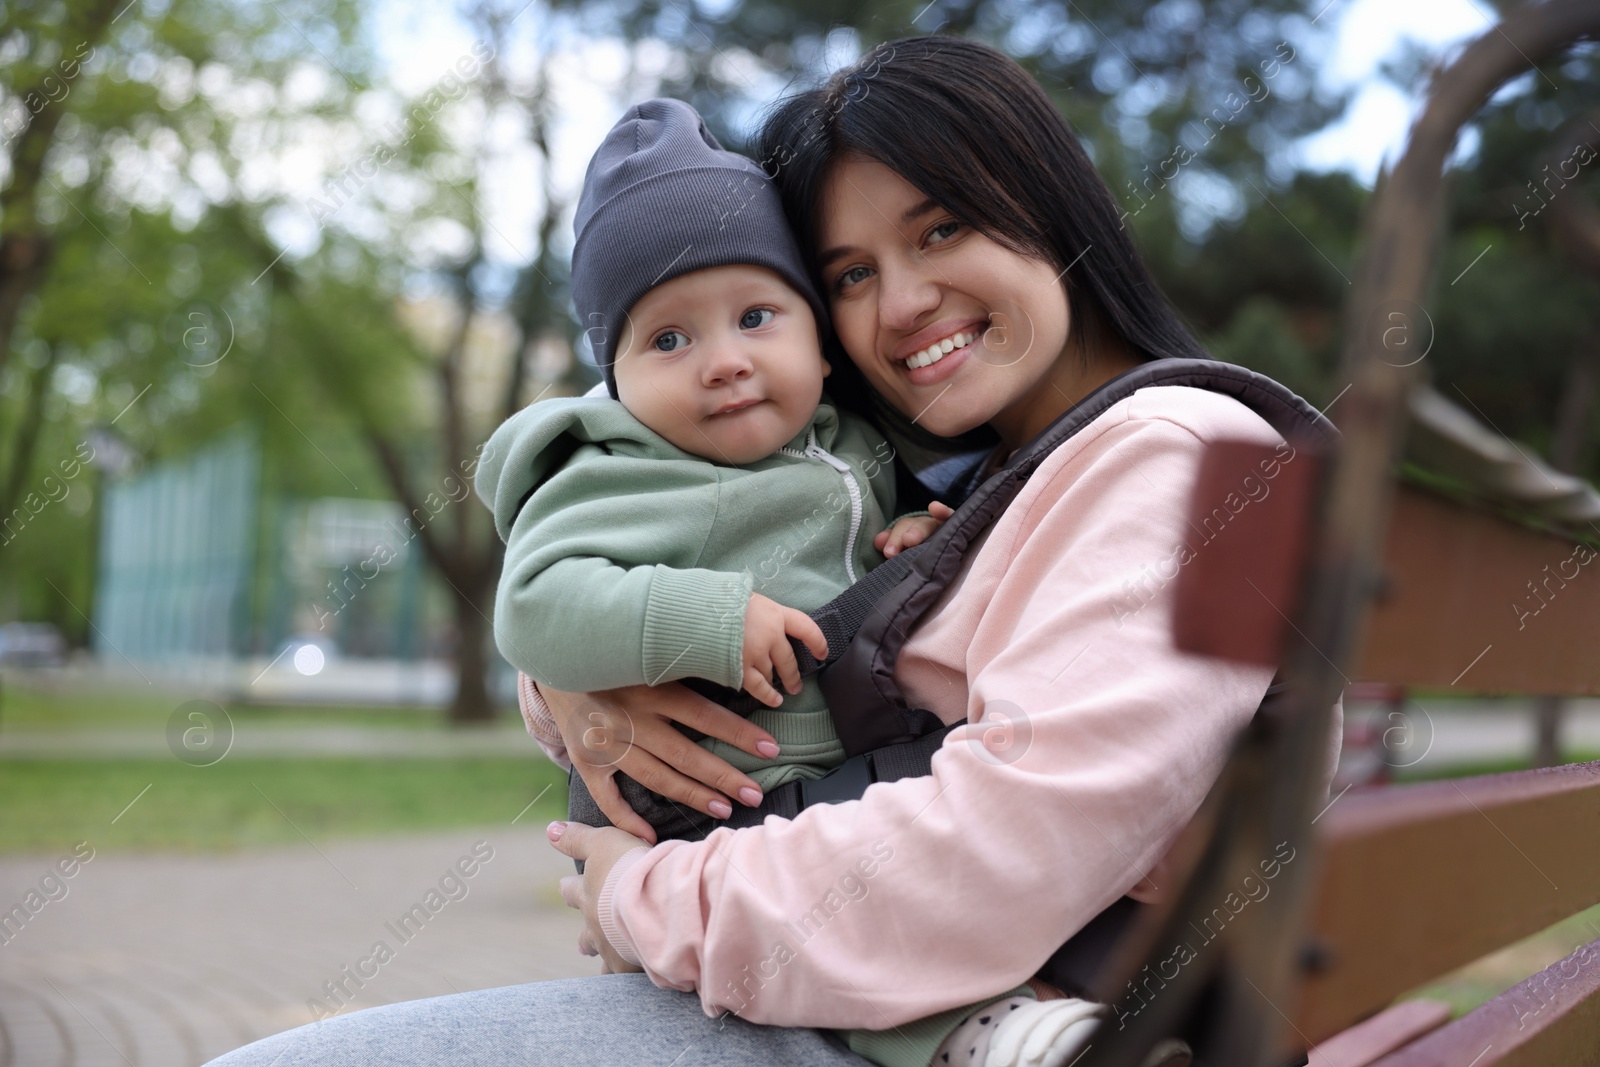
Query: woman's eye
{"x":670,"y":341}
{"x":850,"y":277}
{"x":756,"y":318}
{"x":944,"y":231}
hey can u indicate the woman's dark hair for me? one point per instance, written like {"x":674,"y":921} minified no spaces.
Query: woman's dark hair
{"x":975,"y":132}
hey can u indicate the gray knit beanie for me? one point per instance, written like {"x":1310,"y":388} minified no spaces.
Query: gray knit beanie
{"x":662,"y":198}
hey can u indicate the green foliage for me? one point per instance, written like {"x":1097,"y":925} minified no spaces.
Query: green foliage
{"x":1261,"y":336}
{"x":169,"y":249}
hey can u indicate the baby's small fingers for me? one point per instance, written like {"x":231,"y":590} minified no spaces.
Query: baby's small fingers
{"x":940,"y":511}
{"x":757,"y":685}
{"x":788,"y":669}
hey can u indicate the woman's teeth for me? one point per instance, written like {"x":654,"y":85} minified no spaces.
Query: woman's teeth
{"x":939,"y":349}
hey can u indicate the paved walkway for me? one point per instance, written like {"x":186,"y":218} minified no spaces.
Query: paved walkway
{"x":169,"y":960}
{"x":166,"y":959}
{"x":248,"y":742}
{"x":1430,"y":735}
{"x":1425,"y":735}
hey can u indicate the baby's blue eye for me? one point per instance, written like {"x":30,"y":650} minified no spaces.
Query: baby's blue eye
{"x":669,"y":341}
{"x":753,"y":319}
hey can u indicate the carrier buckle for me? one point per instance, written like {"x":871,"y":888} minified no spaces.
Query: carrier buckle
{"x":845,"y":782}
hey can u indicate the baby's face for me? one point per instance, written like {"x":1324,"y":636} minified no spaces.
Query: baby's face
{"x":715,"y":338}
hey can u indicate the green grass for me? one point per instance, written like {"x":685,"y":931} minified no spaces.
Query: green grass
{"x":50,"y":804}
{"x":1481,"y":981}
{"x":1481,"y":767}
{"x":32,"y":707}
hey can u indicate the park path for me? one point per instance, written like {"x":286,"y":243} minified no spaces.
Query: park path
{"x":167,"y":960}
{"x":276,"y":742}
{"x":1426,"y":735}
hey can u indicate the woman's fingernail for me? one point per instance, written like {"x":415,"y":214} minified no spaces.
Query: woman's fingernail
{"x":767,"y":749}
{"x":720,"y":808}
{"x":555,"y":830}
{"x":750,"y":795}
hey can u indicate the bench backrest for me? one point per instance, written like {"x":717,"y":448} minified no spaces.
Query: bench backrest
{"x":1337,"y":575}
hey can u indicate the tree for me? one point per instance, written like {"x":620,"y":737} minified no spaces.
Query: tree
{"x":113,"y":117}
{"x":339,"y":311}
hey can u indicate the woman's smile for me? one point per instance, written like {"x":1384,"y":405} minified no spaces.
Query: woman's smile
{"x":938,"y":363}
{"x":937,"y":299}
{"x":933,"y":344}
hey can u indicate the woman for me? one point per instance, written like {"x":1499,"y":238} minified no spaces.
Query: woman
{"x":936,"y":192}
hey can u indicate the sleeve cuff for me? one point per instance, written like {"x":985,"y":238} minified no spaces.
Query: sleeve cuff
{"x":541,"y":724}
{"x":694,"y":625}
{"x":910,"y":515}
{"x":606,"y":910}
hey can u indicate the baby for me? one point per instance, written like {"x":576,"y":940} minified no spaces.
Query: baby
{"x":685,"y":531}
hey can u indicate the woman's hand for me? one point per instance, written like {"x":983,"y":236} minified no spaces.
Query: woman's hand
{"x":630,"y":729}
{"x":599,"y":847}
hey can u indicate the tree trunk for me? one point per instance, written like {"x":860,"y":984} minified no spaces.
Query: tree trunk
{"x":27,"y":439}
{"x":26,"y":248}
{"x":1548,"y":711}
{"x":472,"y":703}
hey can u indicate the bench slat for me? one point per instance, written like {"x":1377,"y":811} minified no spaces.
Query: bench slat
{"x":1367,"y":1041}
{"x":1419,"y":880}
{"x":1483,"y":604}
{"x":1552,"y":1018}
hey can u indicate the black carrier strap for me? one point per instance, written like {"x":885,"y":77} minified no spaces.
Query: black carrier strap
{"x":867,"y":625}
{"x":868,"y":709}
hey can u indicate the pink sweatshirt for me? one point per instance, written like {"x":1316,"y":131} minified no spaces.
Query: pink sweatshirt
{"x":1103,"y":739}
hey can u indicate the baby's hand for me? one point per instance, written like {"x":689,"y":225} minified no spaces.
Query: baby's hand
{"x":908,"y":532}
{"x":767,"y":628}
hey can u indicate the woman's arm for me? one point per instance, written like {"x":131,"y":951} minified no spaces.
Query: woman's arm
{"x":931,"y":892}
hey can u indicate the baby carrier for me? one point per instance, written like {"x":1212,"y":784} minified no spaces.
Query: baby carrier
{"x":866,"y":627}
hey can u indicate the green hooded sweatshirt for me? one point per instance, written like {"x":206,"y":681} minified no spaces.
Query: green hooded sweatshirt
{"x":630,"y":561}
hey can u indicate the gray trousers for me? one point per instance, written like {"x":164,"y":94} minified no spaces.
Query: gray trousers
{"x":603,"y":1019}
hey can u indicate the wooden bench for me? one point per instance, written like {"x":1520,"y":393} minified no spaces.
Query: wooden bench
{"x":1342,"y":575}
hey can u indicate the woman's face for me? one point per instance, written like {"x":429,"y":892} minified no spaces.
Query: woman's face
{"x":906,"y":280}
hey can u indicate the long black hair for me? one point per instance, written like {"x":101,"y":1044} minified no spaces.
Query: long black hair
{"x":974,"y":131}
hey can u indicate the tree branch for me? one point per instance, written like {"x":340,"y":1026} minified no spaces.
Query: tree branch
{"x":25,"y":250}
